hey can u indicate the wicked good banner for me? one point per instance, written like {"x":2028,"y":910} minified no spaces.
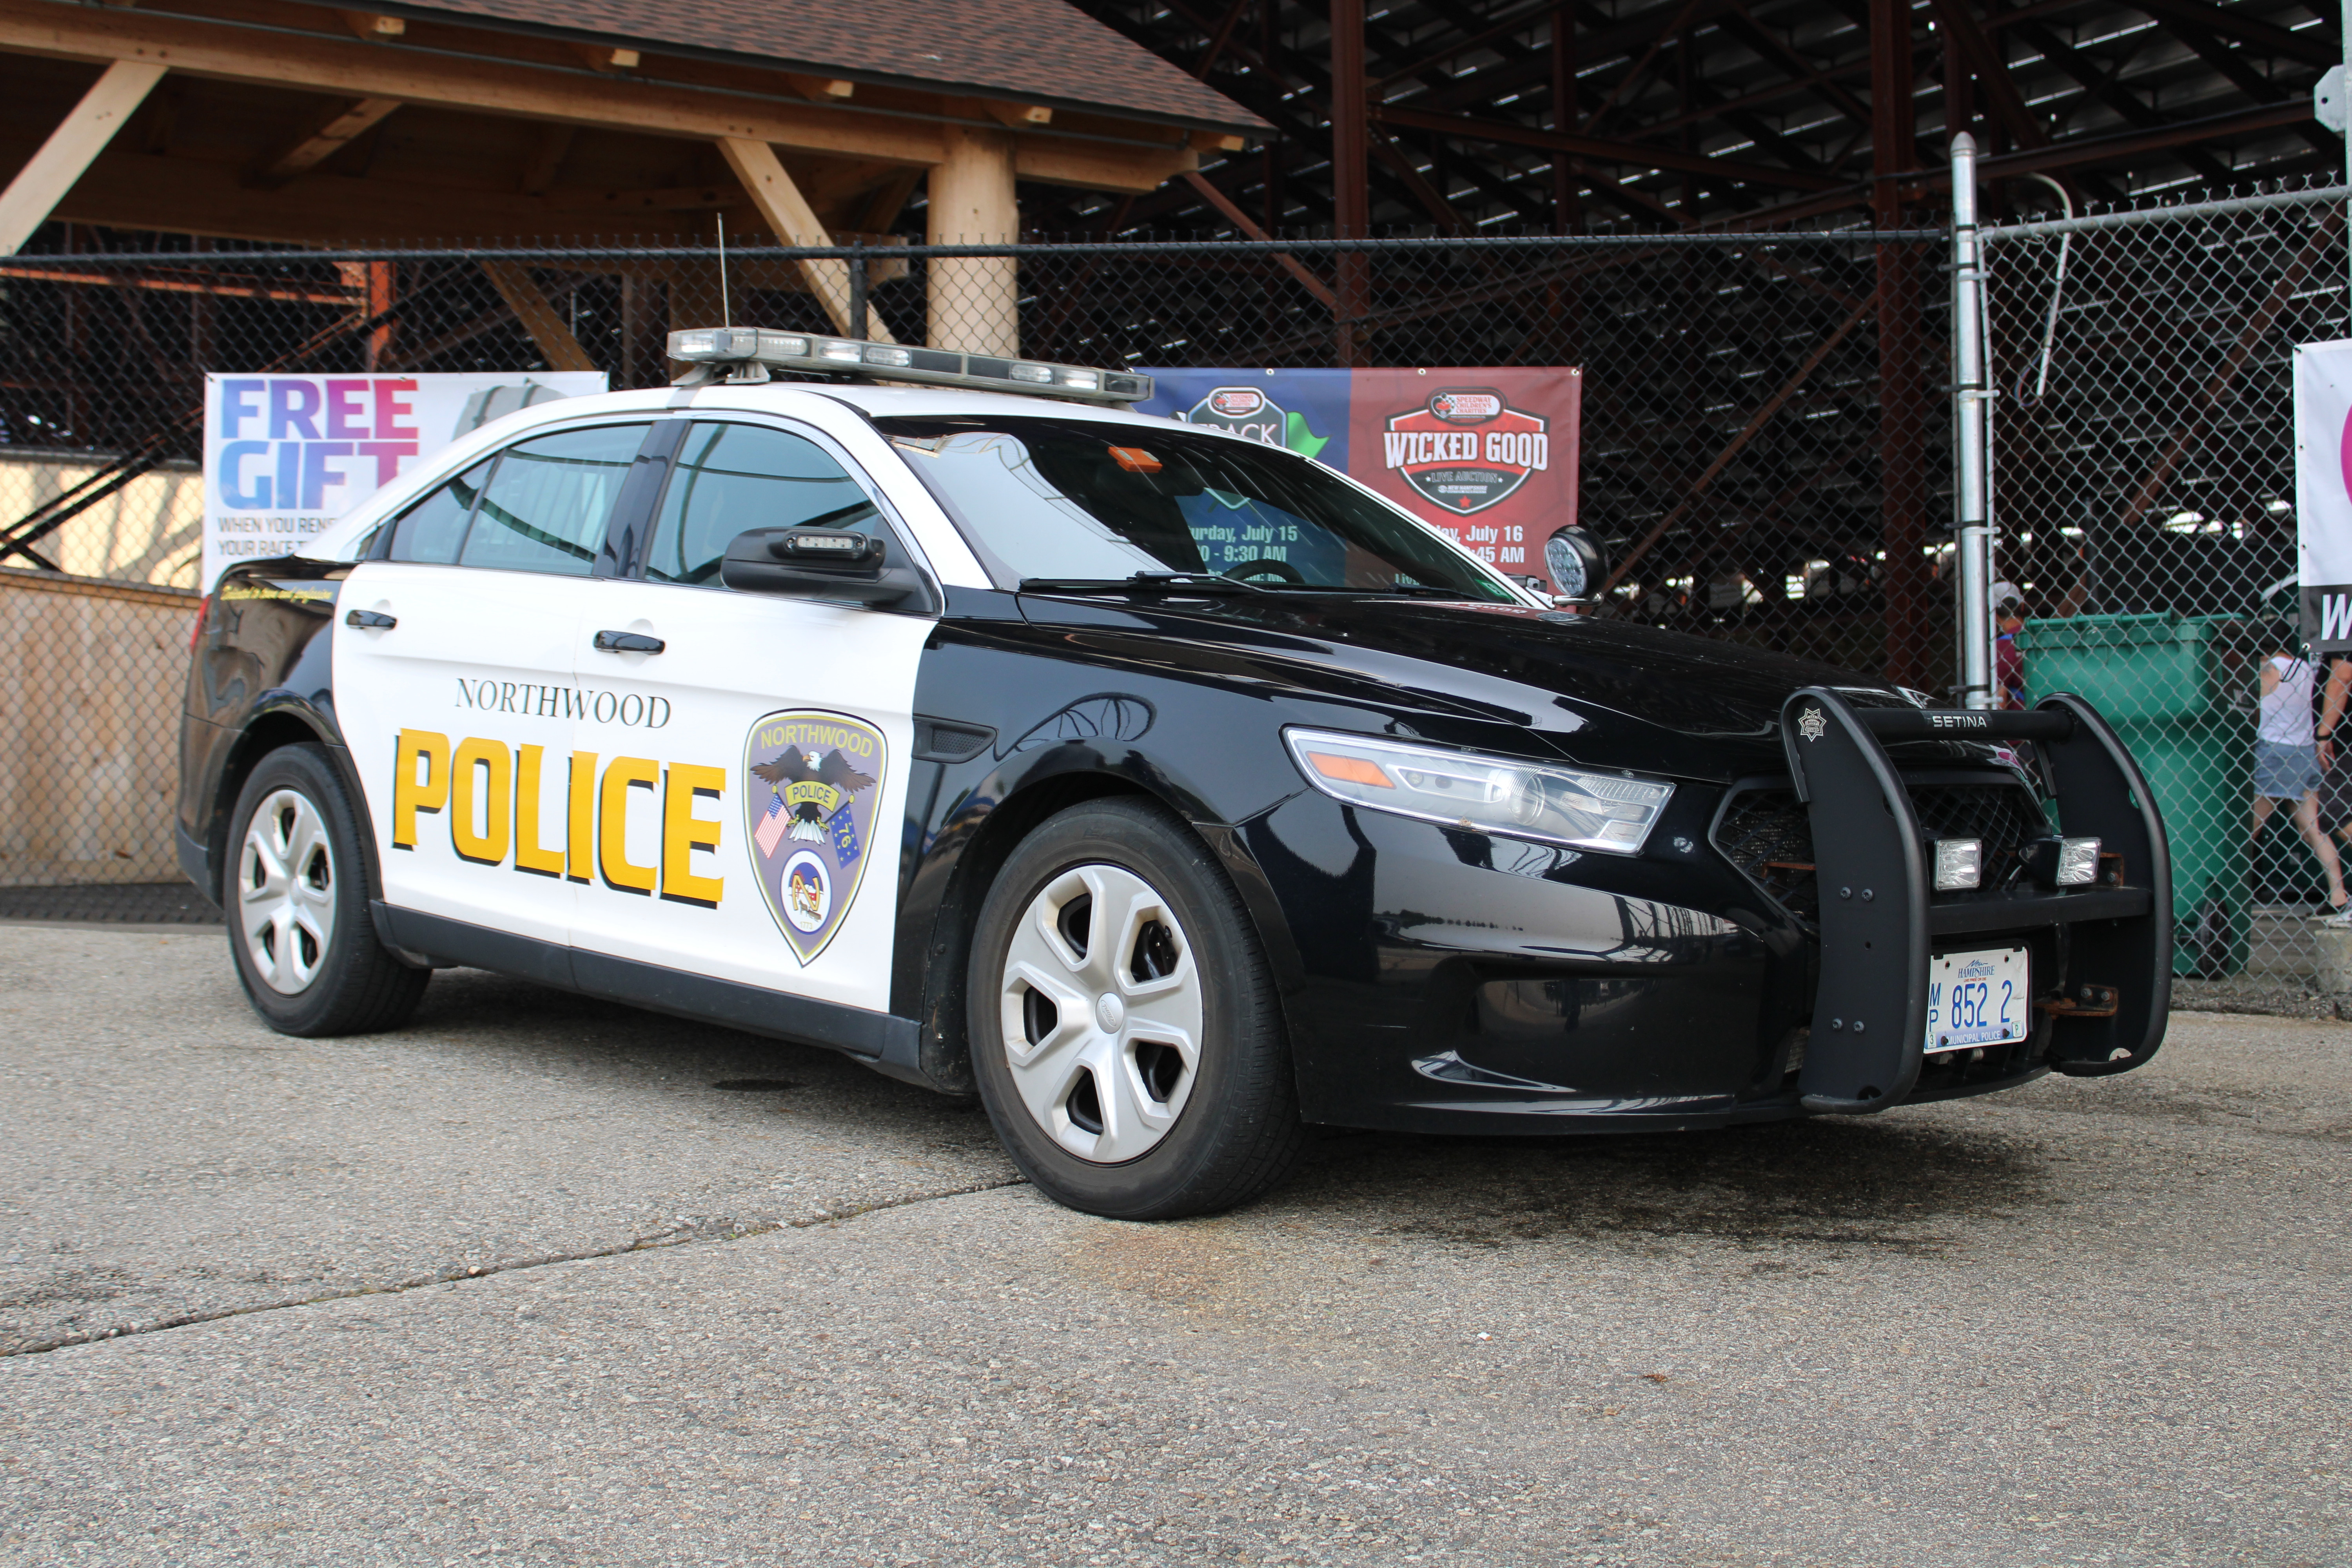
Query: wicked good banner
{"x":2323,"y":491}
{"x":1487,"y":454}
{"x":286,"y":455}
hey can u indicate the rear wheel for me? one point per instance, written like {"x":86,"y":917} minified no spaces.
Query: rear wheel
{"x":297,"y":902}
{"x":1124,"y":1027}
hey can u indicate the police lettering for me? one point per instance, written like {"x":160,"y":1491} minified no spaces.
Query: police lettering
{"x":492,"y":797}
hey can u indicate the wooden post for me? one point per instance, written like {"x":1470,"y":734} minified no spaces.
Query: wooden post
{"x":1351,"y":190}
{"x":644,"y":333}
{"x":974,"y":301}
{"x":556,"y":344}
{"x":76,"y":142}
{"x":793,"y":221}
{"x":1904,"y":582}
{"x":381,"y":285}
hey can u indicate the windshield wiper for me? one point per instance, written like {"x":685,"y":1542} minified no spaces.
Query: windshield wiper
{"x":1142,"y":583}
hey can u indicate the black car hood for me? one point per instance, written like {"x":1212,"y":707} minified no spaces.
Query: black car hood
{"x":1605,"y":690}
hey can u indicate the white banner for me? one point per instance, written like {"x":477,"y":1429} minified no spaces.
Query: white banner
{"x":2323,"y":491}
{"x":286,"y":455}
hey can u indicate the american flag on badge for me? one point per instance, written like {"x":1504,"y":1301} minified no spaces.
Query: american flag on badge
{"x":771,"y":828}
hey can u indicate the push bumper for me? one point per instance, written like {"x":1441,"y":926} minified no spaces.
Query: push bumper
{"x":1879,"y":927}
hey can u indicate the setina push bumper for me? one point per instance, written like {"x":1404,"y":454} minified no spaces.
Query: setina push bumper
{"x":2084,"y":928}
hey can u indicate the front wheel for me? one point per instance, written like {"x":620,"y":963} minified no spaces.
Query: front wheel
{"x":1124,"y":1027}
{"x":296,"y":899}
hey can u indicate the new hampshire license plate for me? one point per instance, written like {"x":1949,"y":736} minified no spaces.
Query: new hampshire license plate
{"x":1978,"y":999}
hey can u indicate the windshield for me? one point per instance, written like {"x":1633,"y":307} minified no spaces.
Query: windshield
{"x":1072,"y":502}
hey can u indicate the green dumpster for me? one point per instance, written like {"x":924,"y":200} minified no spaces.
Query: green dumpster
{"x":2179,"y":690}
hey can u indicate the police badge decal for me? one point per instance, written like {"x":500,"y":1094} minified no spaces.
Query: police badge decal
{"x":812,"y":825}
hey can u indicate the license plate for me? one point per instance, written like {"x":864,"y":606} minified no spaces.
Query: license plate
{"x":1978,"y":999}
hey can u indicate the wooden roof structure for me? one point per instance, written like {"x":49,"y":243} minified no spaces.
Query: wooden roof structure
{"x":480,"y":121}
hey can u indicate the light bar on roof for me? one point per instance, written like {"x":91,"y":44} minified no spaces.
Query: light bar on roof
{"x":892,"y":361}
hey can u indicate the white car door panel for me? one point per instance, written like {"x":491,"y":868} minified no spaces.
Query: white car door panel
{"x":459,"y":720}
{"x":459,"y":695}
{"x":759,"y":830}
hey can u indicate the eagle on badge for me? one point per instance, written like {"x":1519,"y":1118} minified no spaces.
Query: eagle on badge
{"x":836,"y":776}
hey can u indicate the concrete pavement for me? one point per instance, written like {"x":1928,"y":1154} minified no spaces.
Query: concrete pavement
{"x":2095,"y":1321}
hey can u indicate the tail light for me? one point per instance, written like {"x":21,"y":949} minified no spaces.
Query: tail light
{"x":196,"y":631}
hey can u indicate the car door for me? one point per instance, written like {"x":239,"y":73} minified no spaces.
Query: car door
{"x":755,"y":838}
{"x":456,"y":688}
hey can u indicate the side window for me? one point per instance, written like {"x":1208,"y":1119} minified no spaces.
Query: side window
{"x":431,"y":531}
{"x":730,"y":478}
{"x":546,"y":505}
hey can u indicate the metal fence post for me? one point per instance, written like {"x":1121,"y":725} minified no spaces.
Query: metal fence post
{"x":1970,"y":434}
{"x":858,"y":292}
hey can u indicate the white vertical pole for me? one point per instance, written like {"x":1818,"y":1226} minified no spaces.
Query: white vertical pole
{"x":1972,"y":435}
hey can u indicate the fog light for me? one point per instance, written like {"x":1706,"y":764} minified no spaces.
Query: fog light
{"x":2078,"y":862}
{"x":1959,"y":864}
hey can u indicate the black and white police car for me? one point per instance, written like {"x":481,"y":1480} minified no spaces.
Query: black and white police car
{"x":1169,"y":791}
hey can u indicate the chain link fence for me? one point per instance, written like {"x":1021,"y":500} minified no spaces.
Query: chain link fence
{"x":1763,"y":455}
{"x":2143,"y":498}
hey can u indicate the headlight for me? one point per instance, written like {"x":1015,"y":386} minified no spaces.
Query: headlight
{"x":1607,"y":811}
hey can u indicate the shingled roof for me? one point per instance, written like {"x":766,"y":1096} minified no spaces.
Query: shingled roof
{"x":1035,"y":51}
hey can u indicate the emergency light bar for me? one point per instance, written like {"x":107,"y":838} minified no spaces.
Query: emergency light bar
{"x":719,"y":346}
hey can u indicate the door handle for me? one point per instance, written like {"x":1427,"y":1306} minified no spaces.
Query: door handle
{"x":371,"y":620}
{"x":628,"y":642}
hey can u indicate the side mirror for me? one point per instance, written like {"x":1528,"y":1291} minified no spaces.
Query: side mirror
{"x":819,"y":563}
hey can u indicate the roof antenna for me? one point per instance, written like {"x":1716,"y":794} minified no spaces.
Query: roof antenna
{"x":726,"y":311}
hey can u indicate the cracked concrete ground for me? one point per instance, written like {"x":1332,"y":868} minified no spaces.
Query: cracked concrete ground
{"x":2083,"y":1322}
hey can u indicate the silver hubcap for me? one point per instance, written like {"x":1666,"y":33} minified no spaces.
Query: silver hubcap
{"x":1101,"y":1010}
{"x":286,"y":891}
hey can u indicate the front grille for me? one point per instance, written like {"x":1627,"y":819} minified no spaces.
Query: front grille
{"x":1767,"y":832}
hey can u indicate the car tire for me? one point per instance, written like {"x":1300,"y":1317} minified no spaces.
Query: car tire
{"x":295,"y":891}
{"x":1136,"y":1068}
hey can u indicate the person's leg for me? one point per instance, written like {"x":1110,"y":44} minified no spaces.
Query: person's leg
{"x":2306,"y":820}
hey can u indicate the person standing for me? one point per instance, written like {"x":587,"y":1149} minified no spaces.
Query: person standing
{"x":2286,"y":755}
{"x":2008,"y":658}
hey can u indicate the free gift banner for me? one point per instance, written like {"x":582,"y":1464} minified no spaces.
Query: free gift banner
{"x":1487,"y":455}
{"x":286,"y":455}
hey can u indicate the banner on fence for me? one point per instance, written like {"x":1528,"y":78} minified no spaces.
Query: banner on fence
{"x":286,"y":455}
{"x":1487,"y":455}
{"x":2323,"y":491}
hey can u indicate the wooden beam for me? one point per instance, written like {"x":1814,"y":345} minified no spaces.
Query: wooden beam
{"x":794,"y":222}
{"x":605,"y":57}
{"x":557,"y":346}
{"x":1019,"y":116}
{"x":882,"y":211}
{"x":180,"y":194}
{"x":373,"y":27}
{"x":821,"y":89}
{"x":76,"y":142}
{"x":323,"y":138}
{"x":1126,"y":171}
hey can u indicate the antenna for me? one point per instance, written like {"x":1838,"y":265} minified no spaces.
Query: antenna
{"x":725,"y":311}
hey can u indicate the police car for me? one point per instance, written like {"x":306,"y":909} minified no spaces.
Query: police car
{"x":1169,"y":791}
